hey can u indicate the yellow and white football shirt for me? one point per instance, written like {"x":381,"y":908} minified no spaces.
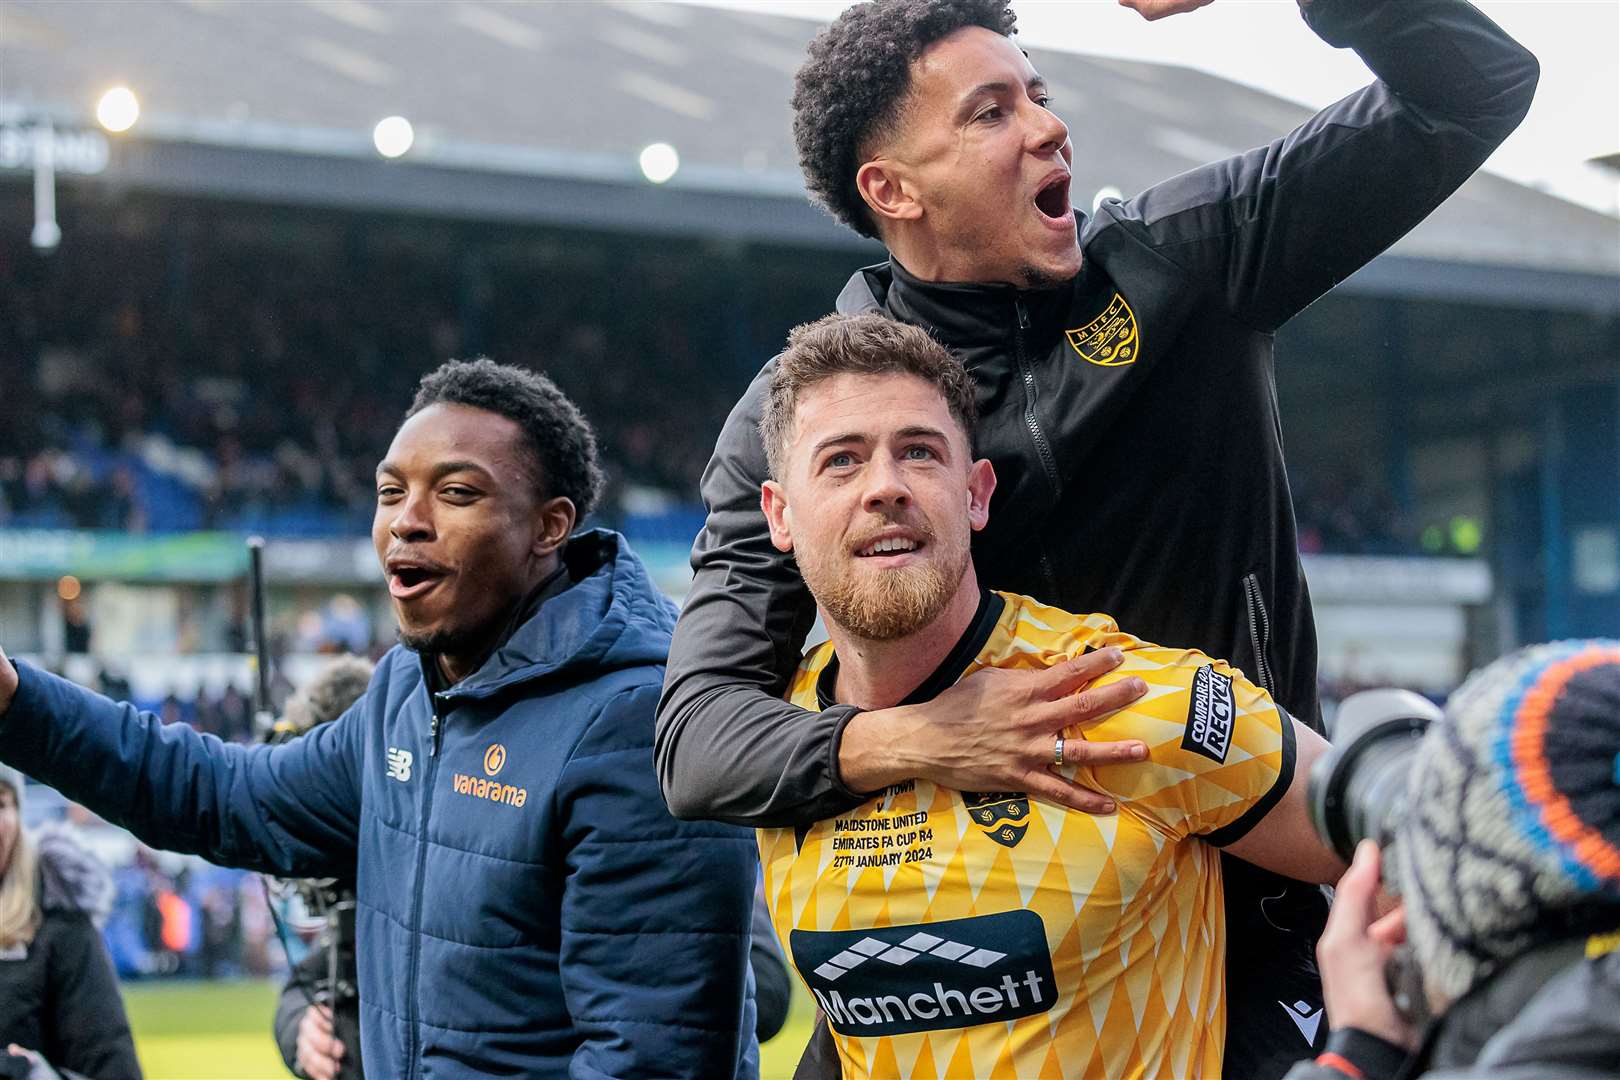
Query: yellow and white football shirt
{"x":961,"y":934}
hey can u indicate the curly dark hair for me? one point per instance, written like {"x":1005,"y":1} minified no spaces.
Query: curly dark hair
{"x":560,"y":437}
{"x":852,"y":86}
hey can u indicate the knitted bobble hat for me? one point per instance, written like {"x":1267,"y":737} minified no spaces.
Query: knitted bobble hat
{"x":1513,"y":839}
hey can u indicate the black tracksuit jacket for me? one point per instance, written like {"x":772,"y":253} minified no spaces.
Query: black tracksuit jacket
{"x":1131,"y":415}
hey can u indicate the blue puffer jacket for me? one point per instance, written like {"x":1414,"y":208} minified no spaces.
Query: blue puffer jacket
{"x":527,"y":906}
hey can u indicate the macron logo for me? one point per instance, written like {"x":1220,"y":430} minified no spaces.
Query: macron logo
{"x":399,"y":764}
{"x":1307,"y":1019}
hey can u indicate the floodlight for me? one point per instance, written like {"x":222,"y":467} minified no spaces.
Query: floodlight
{"x":118,"y":109}
{"x":393,"y":136}
{"x":659,"y":162}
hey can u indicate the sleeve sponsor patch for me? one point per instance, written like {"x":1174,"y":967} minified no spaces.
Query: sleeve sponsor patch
{"x":1210,"y":715}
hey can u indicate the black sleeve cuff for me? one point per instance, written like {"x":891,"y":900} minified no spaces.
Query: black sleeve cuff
{"x":1238,"y":829}
{"x":833,"y":744}
{"x":1375,"y":1056}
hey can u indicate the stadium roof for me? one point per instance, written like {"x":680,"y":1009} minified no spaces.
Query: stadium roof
{"x":538,"y":113}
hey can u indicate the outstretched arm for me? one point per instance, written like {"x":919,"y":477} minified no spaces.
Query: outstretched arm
{"x":290,"y":810}
{"x":1271,"y":230}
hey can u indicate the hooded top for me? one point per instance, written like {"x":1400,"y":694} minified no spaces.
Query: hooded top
{"x":526,"y":905}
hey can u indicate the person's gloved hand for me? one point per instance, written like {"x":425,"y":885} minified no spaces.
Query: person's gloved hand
{"x":320,"y":1051}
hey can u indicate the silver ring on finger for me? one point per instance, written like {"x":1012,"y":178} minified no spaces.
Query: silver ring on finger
{"x":1057,"y":751}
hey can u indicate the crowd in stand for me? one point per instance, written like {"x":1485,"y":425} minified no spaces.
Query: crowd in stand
{"x":261,"y":392}
{"x":252,"y":384}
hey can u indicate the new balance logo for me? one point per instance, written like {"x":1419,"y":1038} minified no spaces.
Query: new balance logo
{"x":399,"y":764}
{"x":925,"y":977}
{"x":1307,"y":1019}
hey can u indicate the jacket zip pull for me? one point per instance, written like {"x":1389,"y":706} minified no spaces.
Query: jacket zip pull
{"x":1023,"y":313}
{"x":1259,"y":632}
{"x":433,"y":727}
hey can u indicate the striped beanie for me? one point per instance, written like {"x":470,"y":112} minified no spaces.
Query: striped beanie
{"x":1513,"y":839}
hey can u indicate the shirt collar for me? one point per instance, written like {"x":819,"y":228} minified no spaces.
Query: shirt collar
{"x":963,"y":653}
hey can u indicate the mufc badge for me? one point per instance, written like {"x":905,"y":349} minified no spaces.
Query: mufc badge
{"x":1003,"y":816}
{"x":1111,"y":339}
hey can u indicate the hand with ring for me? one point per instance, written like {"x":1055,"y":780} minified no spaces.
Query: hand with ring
{"x":994,"y":731}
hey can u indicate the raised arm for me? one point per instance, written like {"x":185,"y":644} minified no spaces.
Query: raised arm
{"x":290,"y":810}
{"x":729,"y":748}
{"x":1273,"y":229}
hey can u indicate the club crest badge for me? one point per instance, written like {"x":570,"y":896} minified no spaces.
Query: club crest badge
{"x":1003,"y":816}
{"x":1111,"y":339}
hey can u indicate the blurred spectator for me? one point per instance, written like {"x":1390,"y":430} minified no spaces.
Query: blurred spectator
{"x":75,"y":627}
{"x":59,"y":1001}
{"x":1346,"y":513}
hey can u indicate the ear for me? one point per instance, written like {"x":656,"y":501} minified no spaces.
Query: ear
{"x":981,"y":485}
{"x":882,"y":184}
{"x":553,"y":525}
{"x":773,"y":500}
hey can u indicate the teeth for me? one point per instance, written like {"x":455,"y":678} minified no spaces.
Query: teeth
{"x":883,"y":547}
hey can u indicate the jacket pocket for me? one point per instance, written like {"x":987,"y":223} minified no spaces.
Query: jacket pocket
{"x":1259,"y":633}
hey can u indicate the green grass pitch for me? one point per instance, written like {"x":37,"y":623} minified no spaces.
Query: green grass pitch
{"x":221,"y":1031}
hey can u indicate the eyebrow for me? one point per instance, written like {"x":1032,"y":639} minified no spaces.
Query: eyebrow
{"x":440,"y":471}
{"x":919,"y":431}
{"x":837,"y":440}
{"x":978,"y":93}
{"x":914,"y":432}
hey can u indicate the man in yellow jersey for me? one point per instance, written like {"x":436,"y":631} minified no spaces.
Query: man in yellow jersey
{"x":986,"y":934}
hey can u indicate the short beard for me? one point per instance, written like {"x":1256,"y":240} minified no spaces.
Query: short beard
{"x":442,"y":641}
{"x":896,"y":605}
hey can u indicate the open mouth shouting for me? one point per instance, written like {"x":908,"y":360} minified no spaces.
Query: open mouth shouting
{"x":410,"y":578}
{"x":1052,"y":200}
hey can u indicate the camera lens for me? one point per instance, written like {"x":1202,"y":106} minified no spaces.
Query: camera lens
{"x":1358,"y":789}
